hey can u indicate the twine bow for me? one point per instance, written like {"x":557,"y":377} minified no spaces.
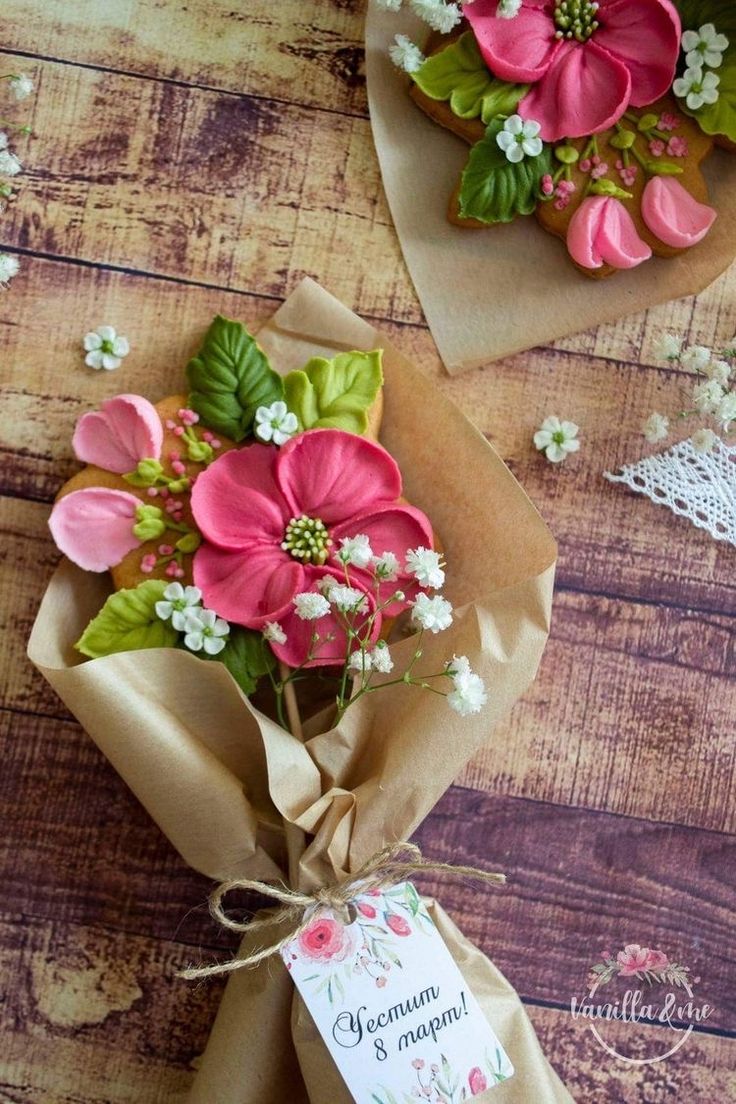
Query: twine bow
{"x":385,"y":868}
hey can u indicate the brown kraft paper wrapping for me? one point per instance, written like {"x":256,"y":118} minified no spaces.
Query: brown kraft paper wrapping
{"x":489,"y":293}
{"x":240,"y":797}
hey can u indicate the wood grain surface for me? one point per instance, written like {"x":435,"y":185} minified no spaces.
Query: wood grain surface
{"x":197,"y":157}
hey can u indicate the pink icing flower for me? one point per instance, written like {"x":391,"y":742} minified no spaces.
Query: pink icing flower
{"x":656,"y":147}
{"x":668,"y":121}
{"x":585,"y":165}
{"x":677,"y":146}
{"x":94,"y":526}
{"x":249,"y":568}
{"x":673,"y":215}
{"x":632,"y":959}
{"x":367,"y":910}
{"x":398,"y":924}
{"x":548,"y":186}
{"x":657,"y":960}
{"x":602,"y":232}
{"x":600,"y":170}
{"x":325,"y":940}
{"x":148,"y":562}
{"x":125,"y":430}
{"x":625,"y":53}
{"x":188,"y":417}
{"x":477,"y":1082}
{"x":566,"y":187}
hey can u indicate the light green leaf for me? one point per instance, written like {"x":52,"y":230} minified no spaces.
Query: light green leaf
{"x":230,"y":377}
{"x":246,"y":657}
{"x":335,"y":393}
{"x":494,"y":189}
{"x":127,"y":622}
{"x":459,"y":74}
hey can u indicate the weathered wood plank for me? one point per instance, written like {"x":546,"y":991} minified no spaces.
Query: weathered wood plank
{"x":310,"y":54}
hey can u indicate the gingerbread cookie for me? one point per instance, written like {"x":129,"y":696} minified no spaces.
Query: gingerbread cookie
{"x":595,"y":117}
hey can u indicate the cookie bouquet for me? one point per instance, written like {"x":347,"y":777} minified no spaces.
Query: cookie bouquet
{"x":288,"y":618}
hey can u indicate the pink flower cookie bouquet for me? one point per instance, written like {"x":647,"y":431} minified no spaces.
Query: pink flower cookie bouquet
{"x":289,"y":614}
{"x":593,"y":115}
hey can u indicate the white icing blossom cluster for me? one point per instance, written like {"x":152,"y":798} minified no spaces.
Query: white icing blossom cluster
{"x":275,"y":423}
{"x":703,"y":49}
{"x":557,"y":438}
{"x":202,"y":629}
{"x":353,"y":611}
{"x":20,"y":87}
{"x":712,"y":396}
{"x":519,"y":139}
{"x":105,"y":348}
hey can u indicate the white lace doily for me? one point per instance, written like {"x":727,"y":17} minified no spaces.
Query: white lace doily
{"x":698,"y":486}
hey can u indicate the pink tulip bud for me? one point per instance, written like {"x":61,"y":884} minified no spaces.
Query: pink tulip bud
{"x":602,"y":232}
{"x":673,"y":215}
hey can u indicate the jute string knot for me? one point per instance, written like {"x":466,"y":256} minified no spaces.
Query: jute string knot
{"x":384,"y":868}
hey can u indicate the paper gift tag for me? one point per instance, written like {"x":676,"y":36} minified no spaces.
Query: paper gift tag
{"x":391,"y":1005}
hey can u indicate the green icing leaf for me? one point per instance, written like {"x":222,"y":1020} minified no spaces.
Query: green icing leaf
{"x":459,"y":74}
{"x":230,"y":378}
{"x":127,"y":622}
{"x":246,"y":657}
{"x":336,"y":393}
{"x":494,"y":189}
{"x":720,"y":117}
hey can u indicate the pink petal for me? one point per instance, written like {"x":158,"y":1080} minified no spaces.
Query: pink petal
{"x":332,"y":475}
{"x":299,"y":632}
{"x":235,"y":501}
{"x":673,"y":215}
{"x":519,"y":49}
{"x":94,"y":526}
{"x":584,"y":91}
{"x":390,"y":529}
{"x":125,"y":430}
{"x":603,"y":232}
{"x":248,"y":587}
{"x":645,"y":36}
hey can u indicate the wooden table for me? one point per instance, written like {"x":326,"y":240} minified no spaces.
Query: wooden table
{"x":203,"y":156}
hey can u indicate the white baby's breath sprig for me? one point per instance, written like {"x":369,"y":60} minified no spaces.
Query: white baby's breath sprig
{"x":557,"y":438}
{"x":437,"y":14}
{"x":273,"y":633}
{"x":433,"y":614}
{"x":695,"y":357}
{"x":703,"y":440}
{"x":355,"y":550}
{"x":9,"y":267}
{"x":426,"y":566}
{"x":508,"y":9}
{"x":348,"y":599}
{"x":656,"y":428}
{"x":105,"y":348}
{"x":469,"y":693}
{"x":405,"y":54}
{"x":667,"y":347}
{"x":726,"y":412}
{"x":388,"y":5}
{"x":707,"y":396}
{"x":386,"y":567}
{"x":10,"y":165}
{"x":310,"y":606}
{"x":20,"y":85}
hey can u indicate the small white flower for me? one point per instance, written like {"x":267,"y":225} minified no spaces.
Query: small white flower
{"x":273,"y":633}
{"x":381,"y":658}
{"x":704,"y":46}
{"x":438,"y":15}
{"x":386,"y":567}
{"x":105,"y":349}
{"x":703,"y":440}
{"x":727,"y":410}
{"x":3,"y":140}
{"x":426,"y":567}
{"x":718,"y":370}
{"x":310,"y":606}
{"x":667,"y":347}
{"x":9,"y":267}
{"x":695,"y":357}
{"x":21,"y":86}
{"x":405,"y":54}
{"x":707,"y":396}
{"x":348,"y":599}
{"x":275,"y":423}
{"x":434,"y":614}
{"x":656,"y":428}
{"x":326,"y":583}
{"x":388,"y":5}
{"x":508,"y":9}
{"x":458,"y":665}
{"x":10,"y":165}
{"x":696,"y":88}
{"x":557,"y":438}
{"x":360,"y":661}
{"x":204,"y":629}
{"x":519,"y":139}
{"x":355,"y":550}
{"x":177,"y":602}
{"x":469,"y":694}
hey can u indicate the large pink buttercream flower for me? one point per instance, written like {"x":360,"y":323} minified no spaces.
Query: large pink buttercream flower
{"x":272,"y":522}
{"x":586,"y":61}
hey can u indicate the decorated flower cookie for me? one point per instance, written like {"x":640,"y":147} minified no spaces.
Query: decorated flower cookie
{"x":594,"y":115}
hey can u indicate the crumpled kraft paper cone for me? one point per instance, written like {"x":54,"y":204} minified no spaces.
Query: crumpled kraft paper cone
{"x":239,"y":796}
{"x":489,"y":293}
